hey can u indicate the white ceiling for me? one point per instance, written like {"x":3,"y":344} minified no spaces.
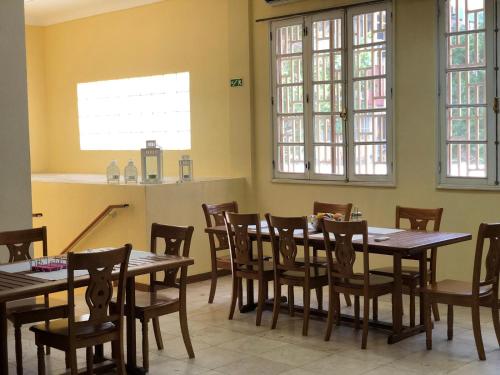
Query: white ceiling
{"x":49,"y":12}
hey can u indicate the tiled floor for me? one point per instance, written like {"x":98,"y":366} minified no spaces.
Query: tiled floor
{"x":239,"y":347}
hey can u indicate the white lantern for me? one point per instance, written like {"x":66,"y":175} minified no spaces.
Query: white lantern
{"x":185,"y":168}
{"x":151,"y":163}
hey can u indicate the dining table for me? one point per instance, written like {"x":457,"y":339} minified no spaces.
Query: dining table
{"x":18,"y":282}
{"x":399,"y":244}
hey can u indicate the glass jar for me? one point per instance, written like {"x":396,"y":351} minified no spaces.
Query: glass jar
{"x":130,"y":173}
{"x":113,"y":173}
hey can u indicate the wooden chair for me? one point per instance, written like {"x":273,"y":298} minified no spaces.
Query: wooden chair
{"x":100,"y":326}
{"x":343,"y":279}
{"x":27,"y":312}
{"x":419,"y":219}
{"x":214,"y":216}
{"x":470,"y":294}
{"x":244,"y":265}
{"x":150,"y":306}
{"x":287,"y":270}
{"x":332,"y":208}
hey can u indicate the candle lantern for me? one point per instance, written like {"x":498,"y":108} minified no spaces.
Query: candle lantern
{"x":185,"y":168}
{"x":151,"y":163}
{"x":130,"y":173}
{"x":113,"y":173}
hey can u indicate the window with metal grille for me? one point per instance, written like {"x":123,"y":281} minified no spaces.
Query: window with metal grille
{"x":468,"y":92}
{"x":332,"y":95}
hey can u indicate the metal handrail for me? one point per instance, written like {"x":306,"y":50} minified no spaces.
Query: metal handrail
{"x":94,"y":222}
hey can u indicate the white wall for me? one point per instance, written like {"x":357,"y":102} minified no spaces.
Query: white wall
{"x":15,"y":182}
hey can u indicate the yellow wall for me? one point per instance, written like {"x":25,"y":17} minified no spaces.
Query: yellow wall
{"x":37,"y":103}
{"x":171,"y":36}
{"x":231,"y":127}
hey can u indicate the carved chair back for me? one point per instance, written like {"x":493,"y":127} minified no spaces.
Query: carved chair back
{"x":284,"y":245}
{"x":240,"y":244}
{"x":214,"y":216}
{"x":174,"y":239}
{"x":333,"y":208}
{"x":19,"y":242}
{"x":490,"y":232}
{"x":338,"y":238}
{"x":419,"y":219}
{"x":100,"y":266}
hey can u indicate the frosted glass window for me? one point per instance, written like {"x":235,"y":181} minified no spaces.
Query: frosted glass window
{"x":122,"y":114}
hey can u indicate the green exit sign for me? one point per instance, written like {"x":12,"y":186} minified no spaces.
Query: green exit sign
{"x":237,"y":82}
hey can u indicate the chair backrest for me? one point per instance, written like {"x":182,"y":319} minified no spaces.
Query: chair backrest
{"x":489,"y":232}
{"x":100,"y":266}
{"x":19,"y":242}
{"x":419,"y":217}
{"x":284,"y":245}
{"x":333,"y":208}
{"x":240,"y":244}
{"x":175,"y":238}
{"x":345,"y":255}
{"x":214,"y":216}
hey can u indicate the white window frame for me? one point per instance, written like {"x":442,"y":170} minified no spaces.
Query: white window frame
{"x":309,"y":175}
{"x":445,"y":181}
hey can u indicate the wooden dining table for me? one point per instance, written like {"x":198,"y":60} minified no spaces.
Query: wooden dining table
{"x":400,"y":244}
{"x":17,"y":283}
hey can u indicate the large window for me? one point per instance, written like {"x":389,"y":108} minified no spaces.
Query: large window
{"x":123,"y":114}
{"x":467,"y":93}
{"x":332,"y":95}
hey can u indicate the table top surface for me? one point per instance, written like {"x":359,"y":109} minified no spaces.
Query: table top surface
{"x":408,"y":241}
{"x":18,"y":285}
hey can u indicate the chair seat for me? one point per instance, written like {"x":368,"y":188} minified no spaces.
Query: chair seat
{"x":315,"y":260}
{"x":407,"y":272}
{"x":374,"y":280}
{"x":455,"y":287}
{"x":59,"y":327}
{"x":145,"y":301}
{"x":224,"y":258}
{"x":299,"y":274}
{"x":29,"y":312}
{"x":268,"y":267}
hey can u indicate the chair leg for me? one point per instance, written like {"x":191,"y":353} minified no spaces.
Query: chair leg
{"x":356,"y":312}
{"x":307,"y":309}
{"x":213,"y":276}
{"x":331,"y":313}
{"x":260,"y":302}
{"x":291,"y":301}
{"x":412,"y":305}
{"x":375,"y":308}
{"x":90,"y":360}
{"x":337,"y":309}
{"x":19,"y":349}
{"x":348,"y":300}
{"x":435,"y":312}
{"x":118,"y":356}
{"x":366,"y":317}
{"x":240,"y":293}
{"x":41,"y":359}
{"x":47,"y":348}
{"x":157,"y":331}
{"x":234,"y":297}
{"x":145,"y":345}
{"x":450,"y":322}
{"x":276,"y":305}
{"x":319,"y":297}
{"x":476,"y":327}
{"x":428,"y":323}
{"x":495,"y":316}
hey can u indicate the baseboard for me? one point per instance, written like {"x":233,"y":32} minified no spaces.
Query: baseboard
{"x":190,"y":279}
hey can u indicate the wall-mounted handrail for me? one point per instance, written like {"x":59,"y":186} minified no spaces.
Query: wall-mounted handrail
{"x":94,"y":222}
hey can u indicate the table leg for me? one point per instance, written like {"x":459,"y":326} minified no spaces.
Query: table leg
{"x":250,"y":305}
{"x":397,"y":298}
{"x":131,"y":331}
{"x":4,"y":360}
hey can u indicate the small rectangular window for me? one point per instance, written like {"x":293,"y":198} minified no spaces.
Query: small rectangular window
{"x":122,"y":114}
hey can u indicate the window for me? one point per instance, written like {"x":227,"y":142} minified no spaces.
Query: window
{"x":332,"y":95}
{"x":122,"y":114}
{"x":468,"y":85}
